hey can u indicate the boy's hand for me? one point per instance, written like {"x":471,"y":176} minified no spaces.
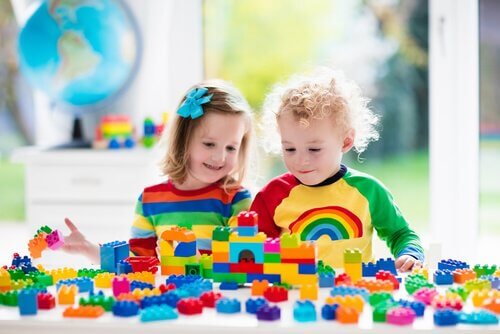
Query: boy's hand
{"x":406,"y":263}
{"x":76,"y":243}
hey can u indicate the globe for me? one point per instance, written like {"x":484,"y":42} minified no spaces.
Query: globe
{"x":81,"y":52}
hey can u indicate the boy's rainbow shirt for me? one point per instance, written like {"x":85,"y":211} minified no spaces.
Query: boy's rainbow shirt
{"x":339,"y":213}
{"x":163,"y":205}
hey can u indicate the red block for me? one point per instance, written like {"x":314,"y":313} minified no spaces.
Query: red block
{"x":209,"y":298}
{"x":299,"y":261}
{"x":46,"y":301}
{"x":248,"y":218}
{"x":189,"y":306}
{"x":143,"y":263}
{"x":246,"y":267}
{"x":343,"y":279}
{"x":384,"y":275}
{"x":276,"y":294}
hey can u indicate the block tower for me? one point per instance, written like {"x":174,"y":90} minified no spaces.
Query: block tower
{"x":353,"y":264}
{"x":173,"y":260}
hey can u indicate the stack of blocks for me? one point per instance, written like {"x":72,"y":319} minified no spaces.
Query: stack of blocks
{"x":352,"y":264}
{"x":112,"y":253}
{"x":245,"y":255}
{"x":173,"y":260}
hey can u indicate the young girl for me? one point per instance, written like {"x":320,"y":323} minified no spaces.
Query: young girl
{"x":205,"y":161}
{"x":319,"y":118}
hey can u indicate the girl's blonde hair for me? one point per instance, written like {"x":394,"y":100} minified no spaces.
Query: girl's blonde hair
{"x":226,"y":100}
{"x":323,"y":94}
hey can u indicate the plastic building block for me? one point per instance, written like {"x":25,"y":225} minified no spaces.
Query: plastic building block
{"x":120,"y":285}
{"x":425,"y":295}
{"x":494,"y":281}
{"x":190,"y":306}
{"x":113,"y":252}
{"x":343,"y":290}
{"x":309,"y":291}
{"x":83,"y":312}
{"x":46,"y":301}
{"x":443,"y":277}
{"x":385,"y":275}
{"x":143,"y":276}
{"x":247,"y":218}
{"x":185,"y":249}
{"x":352,"y":256}
{"x":422,"y":271}
{"x":158,"y":312}
{"x":221,"y":233}
{"x":103,"y":280}
{"x":329,"y":311}
{"x":379,"y":297}
{"x":143,"y":263}
{"x":343,"y":279}
{"x":416,"y":306}
{"x":66,"y":294}
{"x":451,"y":302}
{"x":369,"y":269}
{"x":125,"y":308}
{"x":91,"y":273}
{"x":477,"y":284}
{"x":9,"y":298}
{"x":387,"y":264}
{"x":326,"y":280}
{"x":304,"y":311}
{"x":268,"y":313}
{"x":36,"y":246}
{"x":446,"y":317}
{"x":55,"y":239}
{"x":229,"y":286}
{"x":27,"y":302}
{"x":452,"y":264}
{"x":492,"y":304}
{"x":401,"y":316}
{"x":252,"y":305}
{"x":170,"y":298}
{"x":123,"y":267}
{"x":478,"y":318}
{"x":227,"y":305}
{"x":478,"y":297}
{"x":209,"y":298}
{"x":484,"y":270}
{"x":5,"y":280}
{"x":258,"y":287}
{"x":179,"y":234}
{"x":272,"y":245}
{"x":98,"y":299}
{"x":289,"y":241}
{"x":380,"y":310}
{"x":347,"y":315}
{"x":276,"y":294}
{"x":463,"y":275}
{"x":84,"y":284}
{"x":375,"y":285}
{"x":140,"y":285}
{"x":193,"y":269}
{"x":355,"y":302}
{"x":414,"y":282}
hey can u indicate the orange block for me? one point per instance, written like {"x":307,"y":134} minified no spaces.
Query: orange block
{"x":492,"y":304}
{"x":463,"y":275}
{"x":375,"y":285}
{"x":258,"y":287}
{"x":88,"y":311}
{"x":177,"y":233}
{"x":306,"y":250}
{"x":309,"y":291}
{"x":129,"y":296}
{"x":173,"y":270}
{"x":220,"y":257}
{"x":347,"y":315}
{"x":66,"y":294}
{"x":356,"y":302}
{"x":36,"y":246}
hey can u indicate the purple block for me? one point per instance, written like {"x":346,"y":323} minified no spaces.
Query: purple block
{"x":269,"y":313}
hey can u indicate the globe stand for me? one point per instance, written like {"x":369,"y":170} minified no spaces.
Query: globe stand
{"x":77,"y":140}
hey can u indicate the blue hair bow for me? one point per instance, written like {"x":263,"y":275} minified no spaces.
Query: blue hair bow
{"x":191,"y":107}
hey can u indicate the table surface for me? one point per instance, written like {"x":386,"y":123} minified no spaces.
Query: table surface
{"x":52,"y":321}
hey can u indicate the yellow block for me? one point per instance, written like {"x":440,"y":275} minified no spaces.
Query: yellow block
{"x":283,"y":269}
{"x":354,"y":270}
{"x":166,"y":248}
{"x":220,"y":246}
{"x":103,"y":280}
{"x":259,"y":237}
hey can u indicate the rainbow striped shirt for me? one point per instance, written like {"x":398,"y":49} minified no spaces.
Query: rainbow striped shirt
{"x":339,"y":213}
{"x":201,"y":210}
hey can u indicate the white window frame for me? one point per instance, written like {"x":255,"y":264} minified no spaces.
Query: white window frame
{"x":454,"y":126}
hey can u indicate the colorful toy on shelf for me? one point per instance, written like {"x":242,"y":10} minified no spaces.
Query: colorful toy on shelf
{"x":114,"y":132}
{"x":152,"y":132}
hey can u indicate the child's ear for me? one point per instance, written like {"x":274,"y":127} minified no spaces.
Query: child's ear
{"x":348,"y":140}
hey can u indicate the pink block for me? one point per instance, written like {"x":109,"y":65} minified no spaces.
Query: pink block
{"x":272,"y":245}
{"x":55,"y":239}
{"x":401,"y":316}
{"x":425,"y":295}
{"x":120,"y":285}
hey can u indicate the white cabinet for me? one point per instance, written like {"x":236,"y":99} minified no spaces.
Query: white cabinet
{"x":97,"y":189}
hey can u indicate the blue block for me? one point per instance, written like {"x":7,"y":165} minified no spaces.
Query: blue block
{"x":369,"y":269}
{"x":123,"y":267}
{"x":27,"y":302}
{"x":445,"y":317}
{"x":387,"y":264}
{"x":443,"y":277}
{"x":304,"y":311}
{"x":228,"y":305}
{"x":326,"y":280}
{"x":84,"y":284}
{"x":416,"y":306}
{"x":307,"y":268}
{"x":158,"y":312}
{"x":112,"y":253}
{"x":247,"y":231}
{"x":257,"y":248}
{"x":185,"y":249}
{"x":125,"y":308}
{"x":495,"y":281}
{"x":272,"y":278}
{"x":221,"y":268}
{"x":180,"y":280}
{"x":252,"y":305}
{"x":343,"y":290}
{"x":140,"y":285}
{"x":329,"y":312}
{"x":195,"y":289}
{"x":481,"y":317}
{"x":452,"y":264}
{"x":228,"y":286}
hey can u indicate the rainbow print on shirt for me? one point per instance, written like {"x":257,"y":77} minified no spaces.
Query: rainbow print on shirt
{"x":335,"y":221}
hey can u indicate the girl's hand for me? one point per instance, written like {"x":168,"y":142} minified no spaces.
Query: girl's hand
{"x":77,"y":243}
{"x":406,"y":263}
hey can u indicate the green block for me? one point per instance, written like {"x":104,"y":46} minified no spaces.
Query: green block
{"x":207,"y":273}
{"x":99,"y":300}
{"x":193,"y":269}
{"x":272,"y":258}
{"x":148,"y":141}
{"x":483,"y":270}
{"x":16,"y":274}
{"x":177,"y":261}
{"x":289,"y":240}
{"x":206,"y":261}
{"x":461,"y":291}
{"x":324,"y":269}
{"x":352,"y":256}
{"x":240,"y":278}
{"x":91,"y":273}
{"x":284,"y":285}
{"x":379,"y":297}
{"x":221,"y":233}
{"x":9,"y":298}
{"x":44,"y":229}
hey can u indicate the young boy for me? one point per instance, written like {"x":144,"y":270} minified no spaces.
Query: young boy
{"x":320,"y":118}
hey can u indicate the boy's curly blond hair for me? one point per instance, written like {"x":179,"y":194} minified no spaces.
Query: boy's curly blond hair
{"x":324,"y":94}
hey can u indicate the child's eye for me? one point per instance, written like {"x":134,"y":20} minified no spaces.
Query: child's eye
{"x":289,"y":150}
{"x":314,"y":149}
{"x":231,"y":148}
{"x":207,"y":144}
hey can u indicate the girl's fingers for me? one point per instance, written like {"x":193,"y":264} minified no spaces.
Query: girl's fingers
{"x":70,"y":225}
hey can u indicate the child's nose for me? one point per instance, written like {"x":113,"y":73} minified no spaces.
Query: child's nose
{"x":218,"y":156}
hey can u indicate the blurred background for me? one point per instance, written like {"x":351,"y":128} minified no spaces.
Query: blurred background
{"x":381,"y":44}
